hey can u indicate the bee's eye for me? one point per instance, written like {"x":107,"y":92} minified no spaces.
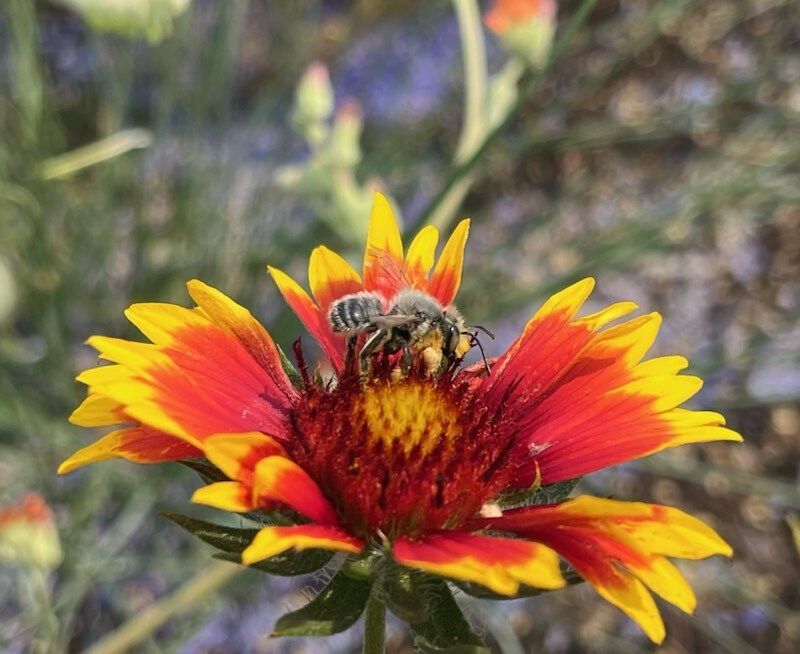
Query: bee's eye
{"x":452,"y":338}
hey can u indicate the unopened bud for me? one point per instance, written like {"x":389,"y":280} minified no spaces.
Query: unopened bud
{"x":525,"y":27}
{"x":28,"y":535}
{"x":313,"y":102}
{"x":344,"y":145}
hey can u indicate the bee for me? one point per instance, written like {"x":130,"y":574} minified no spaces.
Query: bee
{"x":414,"y":322}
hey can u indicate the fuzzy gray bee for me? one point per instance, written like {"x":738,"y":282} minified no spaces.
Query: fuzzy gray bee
{"x":413,"y":318}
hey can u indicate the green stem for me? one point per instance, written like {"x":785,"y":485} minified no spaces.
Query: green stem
{"x":475,"y":107}
{"x":191,"y":595}
{"x":374,"y":625}
{"x":474,"y":57}
{"x":465,"y":168}
{"x":44,"y":607}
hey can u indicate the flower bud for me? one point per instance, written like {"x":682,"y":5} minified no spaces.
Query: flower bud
{"x":525,"y":27}
{"x":28,"y":535}
{"x":131,"y":18}
{"x":313,"y":103}
{"x":344,"y":146}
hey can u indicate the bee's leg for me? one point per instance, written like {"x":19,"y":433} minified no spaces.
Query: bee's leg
{"x":406,"y":357}
{"x":372,"y":345}
{"x":350,"y":357}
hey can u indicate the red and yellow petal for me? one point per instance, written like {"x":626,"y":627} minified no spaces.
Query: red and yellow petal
{"x":314,"y":320}
{"x":271,"y":541}
{"x":98,"y":411}
{"x":585,"y":398}
{"x":500,"y":564}
{"x":331,"y":277}
{"x":238,"y":454}
{"x":232,"y":496}
{"x":620,"y":548}
{"x":278,"y":479}
{"x":446,"y":278}
{"x":135,"y":444}
{"x":546,"y":349}
{"x":240,"y":323}
{"x":384,"y":244}
{"x":196,"y":379}
{"x":421,"y":256}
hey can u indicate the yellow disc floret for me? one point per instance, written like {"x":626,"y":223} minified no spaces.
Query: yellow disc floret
{"x":413,"y":413}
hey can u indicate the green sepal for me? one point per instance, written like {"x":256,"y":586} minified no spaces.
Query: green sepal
{"x":336,"y":608}
{"x":555,"y":493}
{"x":536,"y":494}
{"x":233,"y":540}
{"x":227,"y":539}
{"x":208,"y":472}
{"x":401,"y":593}
{"x":444,"y":628}
{"x":364,"y":566}
{"x":289,"y":369}
{"x":288,"y":564}
{"x":476,"y":590}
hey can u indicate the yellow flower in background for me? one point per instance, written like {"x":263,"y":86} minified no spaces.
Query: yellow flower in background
{"x":402,"y":450}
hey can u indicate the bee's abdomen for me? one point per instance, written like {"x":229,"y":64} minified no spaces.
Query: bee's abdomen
{"x":354,"y":312}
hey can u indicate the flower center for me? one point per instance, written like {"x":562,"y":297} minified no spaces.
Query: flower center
{"x":414,"y":415}
{"x":401,"y":456}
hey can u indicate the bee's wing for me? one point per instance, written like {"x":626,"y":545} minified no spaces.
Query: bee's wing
{"x":387,"y":270}
{"x":393,"y":320}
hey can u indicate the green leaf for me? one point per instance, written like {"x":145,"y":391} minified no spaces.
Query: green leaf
{"x":289,"y":369}
{"x":481,"y":592}
{"x":535,"y":495}
{"x":232,"y":540}
{"x":476,"y":590}
{"x":336,"y":608}
{"x":444,"y":629}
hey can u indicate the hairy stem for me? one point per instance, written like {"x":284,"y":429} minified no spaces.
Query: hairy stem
{"x":374,"y":625}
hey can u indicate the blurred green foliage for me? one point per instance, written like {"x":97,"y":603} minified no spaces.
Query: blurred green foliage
{"x":659,"y":153}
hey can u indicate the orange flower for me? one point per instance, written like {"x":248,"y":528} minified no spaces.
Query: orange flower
{"x":418,"y":458}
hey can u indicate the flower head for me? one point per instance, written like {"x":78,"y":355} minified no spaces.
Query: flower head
{"x":404,"y":451}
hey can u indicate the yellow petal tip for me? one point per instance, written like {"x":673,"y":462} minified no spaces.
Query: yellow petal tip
{"x":251,"y":556}
{"x":77,"y":460}
{"x":196,"y":284}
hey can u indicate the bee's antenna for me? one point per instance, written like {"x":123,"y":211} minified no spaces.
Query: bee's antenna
{"x":484,"y":330}
{"x":474,"y":341}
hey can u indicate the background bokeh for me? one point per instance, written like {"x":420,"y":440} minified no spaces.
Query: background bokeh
{"x":661,"y":153}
